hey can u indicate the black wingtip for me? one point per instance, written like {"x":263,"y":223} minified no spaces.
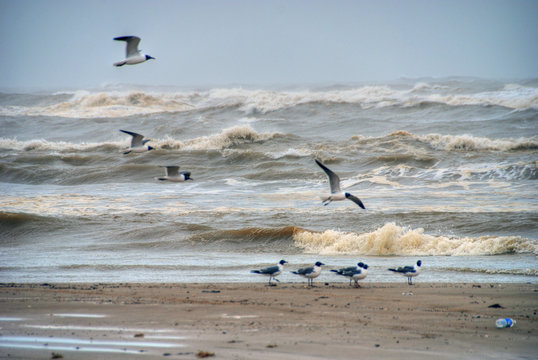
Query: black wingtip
{"x":123,"y":38}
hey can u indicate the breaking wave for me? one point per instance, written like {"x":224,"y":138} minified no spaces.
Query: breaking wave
{"x":233,"y":136}
{"x":227,"y":138}
{"x":85,"y":104}
{"x":392,"y":239}
{"x":468,"y":142}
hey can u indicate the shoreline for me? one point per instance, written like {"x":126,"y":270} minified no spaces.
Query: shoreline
{"x":253,"y":320}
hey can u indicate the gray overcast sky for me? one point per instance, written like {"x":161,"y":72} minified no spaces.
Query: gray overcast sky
{"x":66,"y":43}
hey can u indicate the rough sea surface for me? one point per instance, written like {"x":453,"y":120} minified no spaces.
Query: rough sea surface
{"x":447,"y":170}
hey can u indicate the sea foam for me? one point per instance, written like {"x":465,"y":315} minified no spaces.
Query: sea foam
{"x":391,"y":239}
{"x":226,"y":138}
{"x":85,"y":104}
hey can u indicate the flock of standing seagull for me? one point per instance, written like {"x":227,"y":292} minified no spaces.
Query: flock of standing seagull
{"x":354,"y":273}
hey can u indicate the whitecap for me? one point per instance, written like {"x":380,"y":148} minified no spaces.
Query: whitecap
{"x":391,"y":239}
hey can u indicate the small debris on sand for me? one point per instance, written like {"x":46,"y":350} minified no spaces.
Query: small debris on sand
{"x":203,"y":354}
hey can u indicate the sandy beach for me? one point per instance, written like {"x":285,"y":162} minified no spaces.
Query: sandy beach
{"x":255,"y":321}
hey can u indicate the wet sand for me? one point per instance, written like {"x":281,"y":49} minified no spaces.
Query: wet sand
{"x":255,"y":321}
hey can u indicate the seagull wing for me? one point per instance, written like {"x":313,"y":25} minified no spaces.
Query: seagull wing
{"x":352,"y":272}
{"x":407,"y":269}
{"x":269,"y":270}
{"x":348,"y":269}
{"x":356,"y":200}
{"x":334,"y":180}
{"x":305,"y":271}
{"x":136,"y":140}
{"x":404,"y":270}
{"x":172,"y":170}
{"x":132,"y":45}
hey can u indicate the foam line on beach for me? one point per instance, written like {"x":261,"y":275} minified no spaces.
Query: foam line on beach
{"x":74,"y":341}
{"x":96,"y":328}
{"x":92,"y":316}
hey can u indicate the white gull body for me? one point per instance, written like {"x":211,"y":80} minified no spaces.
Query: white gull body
{"x":138,"y":143}
{"x":272,"y":271}
{"x":354,"y":273}
{"x":409,"y":271}
{"x":132,"y":54}
{"x":173,"y":174}
{"x":310,"y":273}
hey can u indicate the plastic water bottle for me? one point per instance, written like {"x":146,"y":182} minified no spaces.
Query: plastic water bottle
{"x":504,"y":323}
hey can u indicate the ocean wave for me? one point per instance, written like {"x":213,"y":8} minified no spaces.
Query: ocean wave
{"x":58,"y":146}
{"x":11,"y":219}
{"x":255,"y":234}
{"x":392,"y":239}
{"x":470,"y":143}
{"x":525,"y":272}
{"x":465,"y":172}
{"x":227,"y":138}
{"x":85,"y":104}
{"x":466,"y":142}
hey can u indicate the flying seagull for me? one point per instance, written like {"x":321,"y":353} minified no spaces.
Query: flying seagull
{"x":409,"y":271}
{"x":272,"y":271}
{"x":138,"y":143}
{"x":354,"y":273}
{"x":310,"y":272}
{"x":173,"y":174}
{"x":132,"y":54}
{"x":336,"y":194}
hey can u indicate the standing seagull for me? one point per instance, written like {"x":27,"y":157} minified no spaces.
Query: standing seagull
{"x":272,"y":271}
{"x":132,"y":54}
{"x":138,"y":143}
{"x":409,"y":271}
{"x":310,"y":272}
{"x":336,"y":194}
{"x":355,"y":273}
{"x":173,"y":174}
